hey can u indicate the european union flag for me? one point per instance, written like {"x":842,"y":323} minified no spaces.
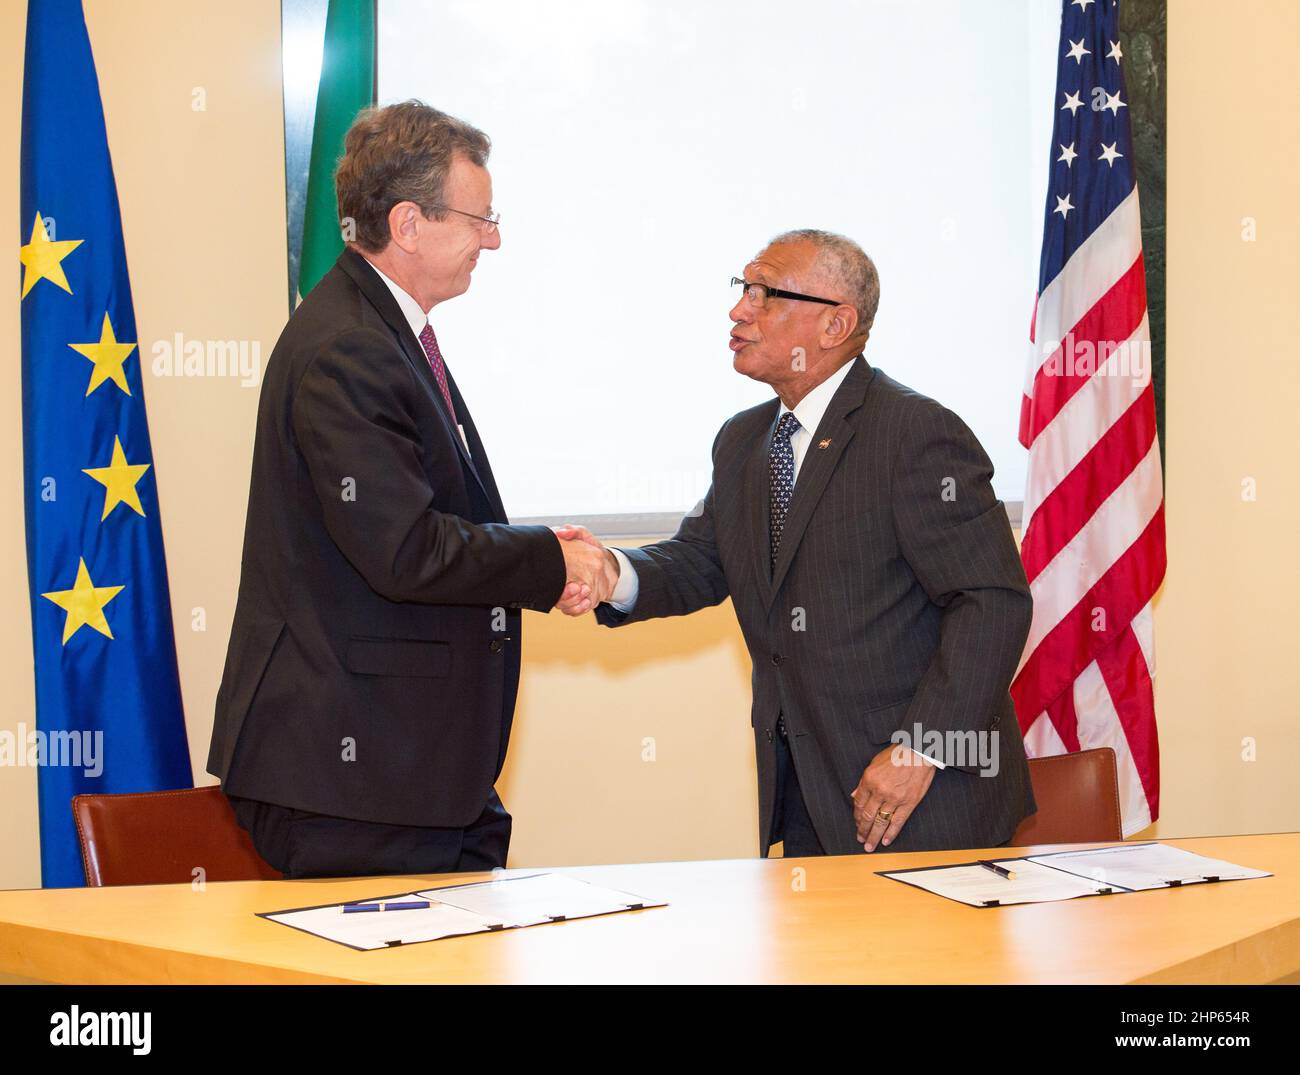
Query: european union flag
{"x":108,"y":704}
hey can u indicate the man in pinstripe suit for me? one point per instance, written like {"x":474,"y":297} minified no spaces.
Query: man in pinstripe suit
{"x":874,"y":573}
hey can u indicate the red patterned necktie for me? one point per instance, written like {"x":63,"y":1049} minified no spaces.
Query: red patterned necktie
{"x":430,"y":344}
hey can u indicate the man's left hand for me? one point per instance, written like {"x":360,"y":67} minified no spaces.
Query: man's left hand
{"x":892,"y":785}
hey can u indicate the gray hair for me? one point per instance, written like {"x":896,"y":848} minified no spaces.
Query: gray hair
{"x":400,"y":153}
{"x":846,"y":266}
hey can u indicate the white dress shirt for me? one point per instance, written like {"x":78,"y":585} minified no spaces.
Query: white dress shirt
{"x":415,"y":316}
{"x":809,"y":412}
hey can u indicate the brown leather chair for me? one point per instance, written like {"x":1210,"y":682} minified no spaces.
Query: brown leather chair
{"x":1078,"y":800}
{"x":161,"y":837}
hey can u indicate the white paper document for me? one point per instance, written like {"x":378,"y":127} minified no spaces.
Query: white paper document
{"x":457,"y":910}
{"x":382,"y":929}
{"x":978,"y":886}
{"x":538,"y":898}
{"x":1138,"y":867}
{"x":1064,"y":875}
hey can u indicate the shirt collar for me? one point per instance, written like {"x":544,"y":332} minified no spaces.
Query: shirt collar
{"x":415,"y":316}
{"x":812,"y":407}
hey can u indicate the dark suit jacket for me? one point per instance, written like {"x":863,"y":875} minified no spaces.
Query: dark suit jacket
{"x":892,"y":606}
{"x":368,"y":675}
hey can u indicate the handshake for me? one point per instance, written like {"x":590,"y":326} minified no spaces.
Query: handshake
{"x":591,"y":569}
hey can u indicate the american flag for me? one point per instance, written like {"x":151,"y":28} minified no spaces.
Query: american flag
{"x":1093,"y":527}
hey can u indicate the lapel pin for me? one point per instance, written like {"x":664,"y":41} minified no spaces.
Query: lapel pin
{"x":825,"y":443}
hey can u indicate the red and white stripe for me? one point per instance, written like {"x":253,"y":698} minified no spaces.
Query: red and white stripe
{"x":1093,"y":540}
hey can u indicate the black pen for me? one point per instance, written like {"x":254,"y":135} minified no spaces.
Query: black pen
{"x":1010,"y":875}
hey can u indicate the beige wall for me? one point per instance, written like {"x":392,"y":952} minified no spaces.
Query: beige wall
{"x":19,"y":864}
{"x":1226,"y":627}
{"x":634,"y":745}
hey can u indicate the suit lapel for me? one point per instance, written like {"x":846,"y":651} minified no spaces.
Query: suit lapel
{"x":835,"y":431}
{"x":758,"y":491}
{"x":483,"y":469}
{"x":375,"y":290}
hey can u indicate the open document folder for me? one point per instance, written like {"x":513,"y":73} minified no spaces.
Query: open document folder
{"x":454,"y":911}
{"x":1064,"y":875}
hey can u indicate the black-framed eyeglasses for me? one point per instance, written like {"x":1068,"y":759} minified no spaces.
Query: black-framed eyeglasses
{"x":489,"y":223}
{"x":758,"y":294}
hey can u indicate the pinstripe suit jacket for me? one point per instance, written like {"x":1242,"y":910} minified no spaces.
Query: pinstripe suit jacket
{"x":898,"y":604}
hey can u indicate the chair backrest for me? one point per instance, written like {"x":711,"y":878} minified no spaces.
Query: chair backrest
{"x":162,"y":837}
{"x":1078,"y":800}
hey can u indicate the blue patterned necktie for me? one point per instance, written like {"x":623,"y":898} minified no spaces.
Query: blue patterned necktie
{"x":781,"y":462}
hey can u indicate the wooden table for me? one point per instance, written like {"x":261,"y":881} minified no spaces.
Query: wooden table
{"x":748,"y":920}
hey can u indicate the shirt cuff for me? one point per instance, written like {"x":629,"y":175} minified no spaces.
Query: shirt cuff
{"x":625,"y":591}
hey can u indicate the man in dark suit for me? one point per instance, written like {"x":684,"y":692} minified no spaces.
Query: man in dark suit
{"x":852,"y":522}
{"x":370,"y":682}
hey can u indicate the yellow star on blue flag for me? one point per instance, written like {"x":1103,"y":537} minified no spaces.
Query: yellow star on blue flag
{"x":84,"y":604}
{"x":42,"y":258}
{"x":107,"y":357}
{"x":118,"y":480}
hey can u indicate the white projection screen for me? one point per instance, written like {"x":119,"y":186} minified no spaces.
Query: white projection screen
{"x":644,"y":151}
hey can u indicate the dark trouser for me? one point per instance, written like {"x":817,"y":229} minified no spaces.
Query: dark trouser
{"x":791,"y":824}
{"x":302,"y":844}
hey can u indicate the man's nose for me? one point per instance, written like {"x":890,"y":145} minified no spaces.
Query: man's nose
{"x":491,"y":240}
{"x":742,"y":312}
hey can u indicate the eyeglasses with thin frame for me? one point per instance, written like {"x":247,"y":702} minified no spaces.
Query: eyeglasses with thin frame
{"x":490,"y":223}
{"x":758,"y":294}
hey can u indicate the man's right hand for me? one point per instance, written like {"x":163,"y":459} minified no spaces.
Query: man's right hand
{"x":592,"y":570}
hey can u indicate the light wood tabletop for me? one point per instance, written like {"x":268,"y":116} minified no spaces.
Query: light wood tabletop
{"x":828,"y":920}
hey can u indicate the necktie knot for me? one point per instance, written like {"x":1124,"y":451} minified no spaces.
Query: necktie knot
{"x":788,"y":426}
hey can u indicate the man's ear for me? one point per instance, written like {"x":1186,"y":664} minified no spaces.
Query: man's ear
{"x":841,"y":326}
{"x":402,"y":225}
